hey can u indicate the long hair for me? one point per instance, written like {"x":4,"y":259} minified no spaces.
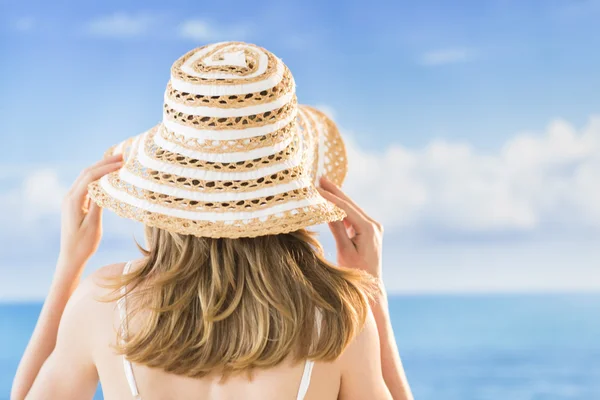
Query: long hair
{"x":233,"y":305}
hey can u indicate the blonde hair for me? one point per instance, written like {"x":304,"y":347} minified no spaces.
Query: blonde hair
{"x":232,"y":305}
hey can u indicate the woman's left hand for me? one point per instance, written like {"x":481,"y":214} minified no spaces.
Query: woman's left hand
{"x":81,"y":225}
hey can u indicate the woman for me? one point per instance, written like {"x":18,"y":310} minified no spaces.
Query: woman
{"x":233,"y":298}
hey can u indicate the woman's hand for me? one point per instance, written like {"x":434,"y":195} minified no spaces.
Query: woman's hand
{"x":358,"y":237}
{"x":81,"y":226}
{"x":81,"y":230}
{"x":359,"y":243}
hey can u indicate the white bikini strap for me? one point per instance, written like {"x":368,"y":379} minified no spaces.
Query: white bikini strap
{"x":305,"y":382}
{"x":309,"y":364}
{"x":122,"y":306}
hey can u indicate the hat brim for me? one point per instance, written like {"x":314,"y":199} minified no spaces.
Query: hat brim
{"x":184,"y":208}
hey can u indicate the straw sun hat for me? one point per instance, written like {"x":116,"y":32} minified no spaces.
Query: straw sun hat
{"x":234,"y":155}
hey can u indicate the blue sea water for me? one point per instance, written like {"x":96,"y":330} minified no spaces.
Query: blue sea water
{"x":476,"y":347}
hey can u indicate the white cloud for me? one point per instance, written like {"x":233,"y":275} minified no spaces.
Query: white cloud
{"x":30,"y":206}
{"x":204,"y":30}
{"x":39,"y":195}
{"x":121,"y":24}
{"x":42,"y":193}
{"x":560,"y":265}
{"x":532,"y":182}
{"x":445,"y":56}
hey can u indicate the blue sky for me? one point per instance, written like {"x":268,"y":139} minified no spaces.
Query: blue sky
{"x":471,"y":124}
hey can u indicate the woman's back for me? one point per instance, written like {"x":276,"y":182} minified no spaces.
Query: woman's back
{"x":102,"y":319}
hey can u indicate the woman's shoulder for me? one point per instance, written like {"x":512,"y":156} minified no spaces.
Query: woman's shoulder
{"x":364,"y":344}
{"x":360,"y":364}
{"x":102,"y":280}
{"x":108,"y":271}
{"x":96,"y":282}
{"x":97,"y":290}
{"x":89,"y":308}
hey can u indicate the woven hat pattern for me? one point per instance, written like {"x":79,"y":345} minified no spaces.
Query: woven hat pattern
{"x":234,"y":155}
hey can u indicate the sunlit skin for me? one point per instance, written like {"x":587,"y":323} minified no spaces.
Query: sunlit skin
{"x":60,"y":338}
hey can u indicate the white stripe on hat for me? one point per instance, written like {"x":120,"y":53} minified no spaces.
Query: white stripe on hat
{"x":196,"y":173}
{"x":307,"y":125}
{"x":126,"y":176}
{"x":222,"y":157}
{"x":203,"y":215}
{"x":321,"y":148}
{"x":226,"y":134}
{"x":224,"y":90}
{"x":237,"y":58}
{"x":230,"y":112}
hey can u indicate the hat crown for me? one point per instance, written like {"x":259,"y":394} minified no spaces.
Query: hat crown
{"x":230,"y":75}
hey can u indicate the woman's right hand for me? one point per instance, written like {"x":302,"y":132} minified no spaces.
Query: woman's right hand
{"x":359,"y":243}
{"x":358,"y":237}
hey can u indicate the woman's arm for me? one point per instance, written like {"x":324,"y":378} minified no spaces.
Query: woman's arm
{"x":361,"y":376}
{"x":43,"y":340}
{"x":81,"y":230}
{"x":359,"y":245}
{"x":69,"y":372}
{"x":391,"y":365}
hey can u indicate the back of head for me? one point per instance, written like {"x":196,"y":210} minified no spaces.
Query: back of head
{"x":230,"y":305}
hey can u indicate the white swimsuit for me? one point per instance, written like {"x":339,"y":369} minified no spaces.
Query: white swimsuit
{"x":122,"y":306}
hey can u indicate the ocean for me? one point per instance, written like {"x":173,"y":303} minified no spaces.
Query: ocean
{"x":471,"y":347}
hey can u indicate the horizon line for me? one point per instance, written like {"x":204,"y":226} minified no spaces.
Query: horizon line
{"x":449,"y":293}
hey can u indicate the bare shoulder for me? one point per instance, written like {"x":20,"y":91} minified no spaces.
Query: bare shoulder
{"x":92,"y":304}
{"x":366,"y":342}
{"x":94,"y":286}
{"x":361,"y":366}
{"x":106,"y":273}
{"x":87,"y":319}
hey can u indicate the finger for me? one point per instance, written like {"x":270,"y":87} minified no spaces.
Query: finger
{"x":338,"y":230}
{"x":86,"y":204}
{"x":358,"y":220}
{"x":350,"y":231}
{"x":108,"y":160}
{"x":80,"y":189}
{"x":94,"y":215}
{"x":333,"y":188}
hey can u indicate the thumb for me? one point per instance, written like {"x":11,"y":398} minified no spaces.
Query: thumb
{"x":340,"y":235}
